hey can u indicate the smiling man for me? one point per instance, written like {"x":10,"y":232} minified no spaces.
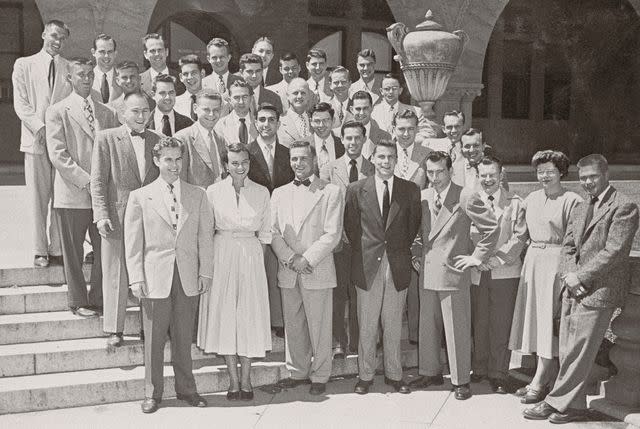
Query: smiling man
{"x":156,"y":53}
{"x":319,"y":82}
{"x":295,"y":124}
{"x":251,"y":70}
{"x":360,"y":111}
{"x":366,"y":68}
{"x":104,"y":52}
{"x":163,"y":118}
{"x":128,"y":78}
{"x":289,"y":69}
{"x":239,"y":125}
{"x":328,"y":147}
{"x":340,"y":84}
{"x":219,"y":55}
{"x":263,"y":47}
{"x":191,"y":75}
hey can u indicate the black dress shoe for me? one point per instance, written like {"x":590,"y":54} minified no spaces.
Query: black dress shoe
{"x":115,"y":340}
{"x":290,"y":383}
{"x":426,"y":381}
{"x":541,"y":411}
{"x":462,"y":392}
{"x":84,"y":312}
{"x":413,"y":342}
{"x":568,"y":416}
{"x":400,"y":385}
{"x":533,"y":396}
{"x":317,"y":389}
{"x":141,"y":334}
{"x":56,"y":260}
{"x":246,"y":395}
{"x":498,"y":385}
{"x":278,"y":331}
{"x":338,"y":353}
{"x":362,"y":387}
{"x":194,"y":400}
{"x":477,"y":378}
{"x":233,"y":395}
{"x":149,"y":405}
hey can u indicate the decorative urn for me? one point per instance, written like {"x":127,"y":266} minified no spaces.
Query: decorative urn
{"x":428,"y":57}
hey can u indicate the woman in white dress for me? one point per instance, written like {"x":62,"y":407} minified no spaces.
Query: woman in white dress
{"x":234,"y":314}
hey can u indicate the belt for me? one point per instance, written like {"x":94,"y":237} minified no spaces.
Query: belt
{"x":540,"y":245}
{"x":236,"y":234}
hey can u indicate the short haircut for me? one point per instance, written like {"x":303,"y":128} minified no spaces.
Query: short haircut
{"x":104,"y":37}
{"x":154,"y":36}
{"x":405,"y":114}
{"x":163,"y":78}
{"x":135,"y":94}
{"x":288,"y":56}
{"x":316,"y":53}
{"x":455,"y":113}
{"x":57,"y":23}
{"x":126,"y":64}
{"x":472,"y":132}
{"x":219,"y":43}
{"x":354,"y":124}
{"x":270,"y":107}
{"x":263,"y":39}
{"x":392,"y":76}
{"x":235,"y":148}
{"x":557,"y":158}
{"x":250,"y":59}
{"x":81,"y":61}
{"x":322,"y":107}
{"x":340,"y":69}
{"x":303,"y":143}
{"x":362,"y":95}
{"x":384,"y":143}
{"x":594,"y":159}
{"x":490,"y":159}
{"x":209,"y":94}
{"x":166,"y":142}
{"x":367,"y":53}
{"x":240,"y":83}
{"x":437,"y":156}
{"x":190,"y":59}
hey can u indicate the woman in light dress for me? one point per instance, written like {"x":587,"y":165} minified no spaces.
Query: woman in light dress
{"x":234,"y":314}
{"x":548,"y":211}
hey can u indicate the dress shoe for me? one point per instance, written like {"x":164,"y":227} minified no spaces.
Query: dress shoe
{"x":290,"y":383}
{"x":521,"y":391}
{"x":400,"y":385}
{"x":426,"y":381}
{"x":88,"y":259}
{"x":246,"y":395}
{"x":477,"y":378}
{"x":194,"y":400}
{"x":462,"y":392}
{"x":56,"y":260}
{"x":533,"y":396}
{"x":40,"y":261}
{"x":338,"y":353}
{"x":149,"y":405}
{"x":84,"y":312}
{"x":317,"y":389}
{"x":568,"y":416}
{"x":278,"y":331}
{"x":233,"y":395}
{"x":362,"y":387}
{"x":541,"y":411}
{"x":115,"y":340}
{"x":498,"y":385}
{"x":413,"y":342}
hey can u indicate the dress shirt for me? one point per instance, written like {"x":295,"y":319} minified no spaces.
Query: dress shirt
{"x":157,"y":120}
{"x":443,"y":196}
{"x":359,"y":161}
{"x":600,"y":197}
{"x":380,"y":190}
{"x":79,"y":101}
{"x":265,"y":149}
{"x":97,"y":81}
{"x":205,"y":137}
{"x":383,"y":114}
{"x":300,"y":194}
{"x":256,"y":96}
{"x":168,"y":198}
{"x":153,"y":73}
{"x":328,"y":141}
{"x":138,"y":149}
{"x":496,"y":197}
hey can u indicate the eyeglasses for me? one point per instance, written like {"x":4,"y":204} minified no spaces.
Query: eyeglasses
{"x":321,"y":121}
{"x":270,"y":119}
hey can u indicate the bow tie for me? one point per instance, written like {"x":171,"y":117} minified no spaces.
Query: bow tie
{"x":305,"y":182}
{"x":135,"y":133}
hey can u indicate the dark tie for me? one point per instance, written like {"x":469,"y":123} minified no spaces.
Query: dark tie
{"x":243,"y":135}
{"x":589,"y":215}
{"x":491,"y":198}
{"x":52,"y":73}
{"x":104,"y":89}
{"x":353,"y":171}
{"x":135,"y":133}
{"x":166,"y":126}
{"x":305,"y":182}
{"x":193,"y":114}
{"x":437,"y":205}
{"x":386,"y":203}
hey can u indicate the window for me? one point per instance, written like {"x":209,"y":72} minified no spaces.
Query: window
{"x":381,"y":46}
{"x":330,"y":40}
{"x":11,"y":45}
{"x":516,"y":79}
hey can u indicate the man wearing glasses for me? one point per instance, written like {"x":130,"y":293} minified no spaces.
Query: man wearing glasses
{"x":328,"y":147}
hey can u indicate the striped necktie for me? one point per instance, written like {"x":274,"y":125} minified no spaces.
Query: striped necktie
{"x":173,"y":207}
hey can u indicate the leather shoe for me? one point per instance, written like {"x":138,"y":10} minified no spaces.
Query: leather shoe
{"x":115,"y":340}
{"x":84,"y":312}
{"x":399,"y":385}
{"x":541,"y":411}
{"x":290,"y":383}
{"x":149,"y":405}
{"x":56,"y":260}
{"x":413,"y":342}
{"x":568,"y":416}
{"x":279,"y":331}
{"x":462,"y":392}
{"x":141,"y":335}
{"x":194,"y":400}
{"x":533,"y":396}
{"x":233,"y":395}
{"x":498,"y":385}
{"x":317,"y":389}
{"x":40,"y":261}
{"x":477,"y":378}
{"x":362,"y":387}
{"x":426,"y":381}
{"x":246,"y":395}
{"x":522,"y":391}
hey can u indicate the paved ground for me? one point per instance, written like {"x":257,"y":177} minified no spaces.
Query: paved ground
{"x":340,"y":408}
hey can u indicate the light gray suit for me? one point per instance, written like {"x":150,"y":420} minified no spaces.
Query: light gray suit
{"x":198,"y":167}
{"x":288,"y":130}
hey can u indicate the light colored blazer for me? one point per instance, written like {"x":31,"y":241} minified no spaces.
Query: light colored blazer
{"x":288,"y":130}
{"x":32,"y":96}
{"x":197,"y":160}
{"x":359,"y":85}
{"x":319,"y":234}
{"x":384,"y":117}
{"x":70,"y":145}
{"x":153,"y":248}
{"x":325,"y":90}
{"x":336,"y":172}
{"x":280,"y":89}
{"x":115,"y":90}
{"x":227,"y":128}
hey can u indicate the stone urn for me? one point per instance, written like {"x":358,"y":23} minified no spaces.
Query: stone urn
{"x":428,"y":57}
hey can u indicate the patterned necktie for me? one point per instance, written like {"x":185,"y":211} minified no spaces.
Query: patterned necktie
{"x":323,"y":155}
{"x":173,"y":207}
{"x":437,"y":205}
{"x":491,"y":205}
{"x":221,"y":85}
{"x":341,"y":113}
{"x":166,"y":126}
{"x":104,"y":88}
{"x":386,"y":203}
{"x":52,"y":74}
{"x":243,"y":134}
{"x":303,"y":126}
{"x":191,"y":112}
{"x":404,"y":167}
{"x":88,"y":113}
{"x":353,"y":171}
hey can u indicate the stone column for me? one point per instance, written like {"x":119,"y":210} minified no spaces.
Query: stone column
{"x":458,"y":96}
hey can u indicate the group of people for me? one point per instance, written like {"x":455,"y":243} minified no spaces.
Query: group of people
{"x":320,"y":209}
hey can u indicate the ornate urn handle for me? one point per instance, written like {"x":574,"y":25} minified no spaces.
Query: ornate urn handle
{"x":463,"y":36}
{"x":396,"y":34}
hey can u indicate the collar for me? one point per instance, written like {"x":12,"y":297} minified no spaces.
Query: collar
{"x":236,"y":118}
{"x":126,"y":127}
{"x":165,"y":185}
{"x":45,"y":55}
{"x":80,"y":101}
{"x":264,"y":146}
{"x":601,"y":196}
{"x":393,"y":107}
{"x":347,"y":161}
{"x":318,"y":140}
{"x":380,"y":184}
{"x":224,"y":76}
{"x":157,"y":117}
{"x":409,"y":149}
{"x":98,"y":73}
{"x":443,"y":194}
{"x":311,"y":178}
{"x":153,"y":73}
{"x":203,"y":131}
{"x":485,"y":197}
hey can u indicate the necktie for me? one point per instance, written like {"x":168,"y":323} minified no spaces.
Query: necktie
{"x":52,"y":73}
{"x":243,"y":134}
{"x":437,"y":205}
{"x":323,"y":156}
{"x":269,"y":158}
{"x":215,"y":163}
{"x":341,"y":113}
{"x":174,"y":207}
{"x":88,"y":113}
{"x":491,"y":198}
{"x":386,"y":203}
{"x":166,"y":126}
{"x":191,"y":112}
{"x":135,"y":133}
{"x":305,"y":182}
{"x":353,"y":171}
{"x":589,"y":214}
{"x":104,"y":88}
{"x":404,"y":167}
{"x":302,"y":124}
{"x":221,"y":86}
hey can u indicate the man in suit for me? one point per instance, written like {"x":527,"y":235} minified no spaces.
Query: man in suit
{"x":366,"y":68}
{"x":104,"y":52}
{"x":295,"y":124}
{"x":360,"y":110}
{"x":38,"y":82}
{"x":328,"y":147}
{"x":306,"y":226}
{"x":164,"y":119}
{"x":447,"y":215}
{"x":156,"y":53}
{"x":202,"y":159}
{"x":128,"y":78}
{"x":473,"y":149}
{"x":169,"y":250}
{"x":263,"y":47}
{"x":596,"y":274}
{"x":348,"y":168}
{"x":251,"y":71}
{"x":71,"y":127}
{"x":494,"y":284}
{"x":121,"y":162}
{"x":382,"y":218}
{"x":453,"y":127}
{"x":239,"y":125}
{"x":289,"y":69}
{"x":219,"y":55}
{"x":319,"y":82}
{"x":191,"y":74}
{"x":340,"y":84}
{"x":270,"y":167}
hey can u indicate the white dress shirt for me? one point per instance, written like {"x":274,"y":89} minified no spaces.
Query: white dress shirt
{"x":153,"y":73}
{"x":380,"y":190}
{"x":383,"y":114}
{"x":359,"y":161}
{"x":300,"y":194}
{"x":168,"y":199}
{"x":97,"y":81}
{"x":80,"y":102}
{"x":157,"y":120}
{"x":331,"y":149}
{"x":138,"y":148}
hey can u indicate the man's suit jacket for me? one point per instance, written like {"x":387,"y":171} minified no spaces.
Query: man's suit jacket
{"x":32,"y":96}
{"x":70,"y":146}
{"x":370,"y":239}
{"x":197,"y":167}
{"x":118,"y":106}
{"x":114,"y":173}
{"x":259,"y":172}
{"x":268,"y":96}
{"x":325,"y":91}
{"x":338,"y":149}
{"x":280,"y":89}
{"x":417,"y":172}
{"x":373,"y":138}
{"x":318,"y":234}
{"x":288,"y":130}
{"x":153,"y":248}
{"x":448,"y":236}
{"x":228,"y":129}
{"x":599,"y":252}
{"x":211,"y":81}
{"x":384,"y":117}
{"x":272,"y":74}
{"x":181,"y":122}
{"x":336,"y":172}
{"x":115,"y":90}
{"x":359,"y":85}
{"x":146,"y":83}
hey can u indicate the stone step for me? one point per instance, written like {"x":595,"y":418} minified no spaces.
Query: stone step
{"x":33,"y":299}
{"x":57,"y":325}
{"x":100,"y":386}
{"x":30,"y":276}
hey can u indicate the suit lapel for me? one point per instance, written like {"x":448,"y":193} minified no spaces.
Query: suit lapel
{"x":340,"y":171}
{"x":76,"y":113}
{"x":149,"y":142}
{"x":310,"y":201}
{"x":156,"y":197}
{"x":367,"y":169}
{"x":186,"y":201}
{"x":449,"y":207}
{"x":280,"y":163}
{"x":128,"y":153}
{"x":600,"y":212}
{"x":394,"y":208}
{"x":202,"y":148}
{"x":371,"y":199}
{"x":259,"y":156}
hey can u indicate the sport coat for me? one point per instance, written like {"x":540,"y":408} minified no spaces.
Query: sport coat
{"x":228,"y":128}
{"x":448,"y":236}
{"x":324,"y":91}
{"x":70,"y":145}
{"x":336,"y":172}
{"x":373,"y":138}
{"x":359,"y":85}
{"x":288,"y":130}
{"x":211,"y":81}
{"x":115,"y":90}
{"x":318,"y":234}
{"x":146,"y":83}
{"x":153,"y":248}
{"x":272,"y":75}
{"x":370,"y":239}
{"x":280,"y":89}
{"x":268,"y":96}
{"x":198,"y":157}
{"x":259,"y":171}
{"x":114,"y":173}
{"x":32,"y":96}
{"x":181,"y":122}
{"x":417,"y":169}
{"x":599,"y":252}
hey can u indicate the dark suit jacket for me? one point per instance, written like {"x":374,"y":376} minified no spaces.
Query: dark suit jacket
{"x":599,"y":252}
{"x":338,"y":146}
{"x":259,"y":172}
{"x":273,"y":75}
{"x":268,"y":96}
{"x":370,"y":239}
{"x":182,"y":122}
{"x":146,"y":83}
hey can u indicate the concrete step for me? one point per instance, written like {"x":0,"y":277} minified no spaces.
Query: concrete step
{"x":31,"y":276}
{"x":33,"y":299}
{"x":100,"y":386}
{"x":58,"y":325}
